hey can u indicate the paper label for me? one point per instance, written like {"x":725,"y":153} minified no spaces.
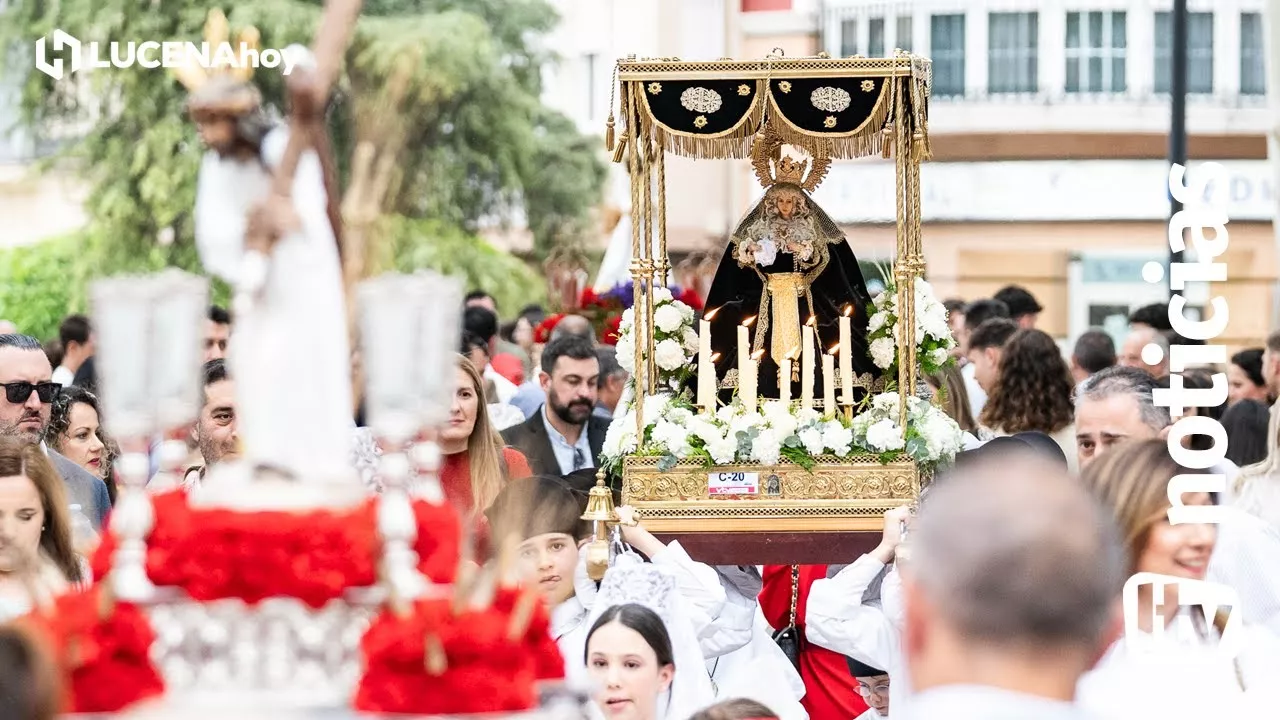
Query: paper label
{"x":726,"y":483}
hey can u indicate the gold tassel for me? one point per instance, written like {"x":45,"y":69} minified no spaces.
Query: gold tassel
{"x":620,"y":150}
{"x":886,"y":150}
{"x":434,"y":658}
{"x":608,"y":133}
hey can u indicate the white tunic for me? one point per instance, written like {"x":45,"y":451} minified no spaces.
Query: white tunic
{"x":289,"y":352}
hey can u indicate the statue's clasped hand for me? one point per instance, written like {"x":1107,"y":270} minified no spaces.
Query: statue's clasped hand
{"x":270,"y":221}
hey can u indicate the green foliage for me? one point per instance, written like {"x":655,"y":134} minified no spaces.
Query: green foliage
{"x":437,"y":245}
{"x":35,"y":289}
{"x":477,"y":142}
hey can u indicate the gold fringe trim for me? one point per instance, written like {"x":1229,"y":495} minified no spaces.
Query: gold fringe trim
{"x":867,"y":140}
{"x":734,"y":143}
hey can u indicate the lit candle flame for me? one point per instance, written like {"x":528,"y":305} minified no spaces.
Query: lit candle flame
{"x":848,"y":310}
{"x":709,"y":316}
{"x":757,"y":355}
{"x":748,"y":321}
{"x":715,"y":357}
{"x":834,"y":349}
{"x":812,"y":321}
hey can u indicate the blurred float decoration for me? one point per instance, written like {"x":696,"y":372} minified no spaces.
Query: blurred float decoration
{"x":271,"y":585}
{"x":794,"y":404}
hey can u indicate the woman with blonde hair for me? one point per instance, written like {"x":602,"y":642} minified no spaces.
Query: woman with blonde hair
{"x":949,"y":383}
{"x":36,"y":551}
{"x":476,"y":464}
{"x":1165,"y":641}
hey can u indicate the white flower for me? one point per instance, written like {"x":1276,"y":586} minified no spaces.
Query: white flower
{"x":766,"y":448}
{"x":940,"y":356}
{"x":628,"y":318}
{"x":661,"y":295}
{"x":704,"y":429}
{"x":673,"y":437}
{"x":778,"y":414}
{"x":885,"y":403}
{"x":723,"y":450}
{"x":745,"y":422}
{"x":669,"y":355}
{"x":766,"y":252}
{"x":626,"y":351}
{"x":882,"y":352}
{"x":837,"y":437}
{"x":621,"y":436}
{"x":884,"y":436}
{"x":678,"y":415}
{"x":811,"y":438}
{"x":654,"y":407}
{"x":667,"y":318}
{"x":685,"y":311}
{"x":877,"y":321}
{"x":691,"y":340}
{"x":806,"y":416}
{"x":727,"y":413}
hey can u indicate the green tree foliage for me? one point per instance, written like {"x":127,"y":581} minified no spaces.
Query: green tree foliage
{"x":35,"y":290}
{"x":479,"y":146}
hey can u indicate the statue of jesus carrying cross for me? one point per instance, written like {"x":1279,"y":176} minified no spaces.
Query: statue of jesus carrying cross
{"x":266,"y":221}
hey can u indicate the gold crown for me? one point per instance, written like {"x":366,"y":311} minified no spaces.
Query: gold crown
{"x":217,"y":32}
{"x":790,"y":171}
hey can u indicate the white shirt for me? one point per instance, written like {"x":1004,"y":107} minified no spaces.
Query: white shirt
{"x":870,"y":714}
{"x":63,"y":376}
{"x":570,"y":457}
{"x":977,"y":702}
{"x":504,"y":387}
{"x":1246,"y":557}
{"x":840,"y":618}
{"x":977,"y":397}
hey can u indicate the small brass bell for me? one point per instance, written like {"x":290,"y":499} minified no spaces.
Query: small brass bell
{"x":601,"y":515}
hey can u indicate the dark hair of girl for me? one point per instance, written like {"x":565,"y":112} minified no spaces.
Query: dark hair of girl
{"x":29,"y":687}
{"x":1246,"y":425}
{"x":1033,"y":389}
{"x":1250,"y":361}
{"x":736,"y":709}
{"x":642,"y":620}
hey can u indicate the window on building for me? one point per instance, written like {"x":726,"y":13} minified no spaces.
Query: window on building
{"x":1014,"y":45}
{"x":902,"y":38}
{"x":1096,"y":44}
{"x":947,"y":51}
{"x":1199,"y":52}
{"x":875,"y":38}
{"x":848,"y":38}
{"x":1253,"y":63}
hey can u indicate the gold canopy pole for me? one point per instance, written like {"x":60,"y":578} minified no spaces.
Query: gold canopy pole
{"x":903,"y":271}
{"x":647,"y":265}
{"x":664,"y":262}
{"x":631,"y":113}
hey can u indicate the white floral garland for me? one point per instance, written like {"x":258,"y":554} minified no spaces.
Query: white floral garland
{"x":676,"y":433}
{"x":675,"y":340}
{"x":933,"y":336}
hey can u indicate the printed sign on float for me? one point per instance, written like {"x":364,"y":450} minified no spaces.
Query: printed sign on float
{"x":726,"y":483}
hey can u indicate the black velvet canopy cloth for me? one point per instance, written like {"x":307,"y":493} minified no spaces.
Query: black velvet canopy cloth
{"x":735,"y":296}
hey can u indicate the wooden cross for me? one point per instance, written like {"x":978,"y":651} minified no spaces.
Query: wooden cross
{"x":309,"y":91}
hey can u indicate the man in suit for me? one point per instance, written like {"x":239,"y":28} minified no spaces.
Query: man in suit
{"x":25,"y":404}
{"x":563,"y":436}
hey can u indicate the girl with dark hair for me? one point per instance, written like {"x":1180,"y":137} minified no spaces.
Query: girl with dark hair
{"x":736,"y":709}
{"x":1033,"y":391}
{"x":1244,"y":377}
{"x":1246,"y":425}
{"x":29,"y":687}
{"x":629,"y":658}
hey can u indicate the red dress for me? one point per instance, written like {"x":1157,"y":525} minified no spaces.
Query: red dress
{"x":830,"y":692}
{"x":455,"y":477}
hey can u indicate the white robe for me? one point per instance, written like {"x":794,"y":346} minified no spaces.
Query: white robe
{"x":289,"y":352}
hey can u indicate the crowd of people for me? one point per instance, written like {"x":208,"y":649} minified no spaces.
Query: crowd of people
{"x":999,"y":598}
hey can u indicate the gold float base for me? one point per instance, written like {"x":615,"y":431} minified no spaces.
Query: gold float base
{"x":837,"y":495}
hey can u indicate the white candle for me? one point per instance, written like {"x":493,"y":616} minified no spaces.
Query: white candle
{"x":707,"y":379}
{"x":829,"y":382}
{"x":784,"y":380}
{"x":747,"y":387}
{"x":846,"y":357}
{"x":807,"y":365}
{"x":744,"y":355}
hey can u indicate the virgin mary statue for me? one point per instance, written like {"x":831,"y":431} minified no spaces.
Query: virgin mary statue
{"x":787,"y":264}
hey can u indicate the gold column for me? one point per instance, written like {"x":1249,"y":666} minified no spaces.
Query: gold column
{"x":646,"y":262}
{"x":904,"y":274}
{"x":663,"y":262}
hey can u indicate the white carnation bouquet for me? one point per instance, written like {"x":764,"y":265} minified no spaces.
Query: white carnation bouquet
{"x":674,"y":339}
{"x":676,"y":433}
{"x":932,"y":334}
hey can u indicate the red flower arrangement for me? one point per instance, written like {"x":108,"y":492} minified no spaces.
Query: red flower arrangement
{"x":436,"y":662}
{"x":315,"y":556}
{"x":542,"y":333}
{"x":103,"y":657}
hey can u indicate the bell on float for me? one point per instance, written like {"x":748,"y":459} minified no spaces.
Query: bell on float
{"x":601,"y":515}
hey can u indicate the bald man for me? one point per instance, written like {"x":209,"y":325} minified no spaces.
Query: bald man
{"x":1131,"y":353}
{"x":530,"y":396}
{"x":8,"y":328}
{"x":1000,"y":624}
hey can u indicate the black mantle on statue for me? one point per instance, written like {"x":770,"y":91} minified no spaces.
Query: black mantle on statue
{"x":735,"y":296}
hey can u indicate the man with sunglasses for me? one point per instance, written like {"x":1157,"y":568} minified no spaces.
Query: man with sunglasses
{"x":29,"y":391}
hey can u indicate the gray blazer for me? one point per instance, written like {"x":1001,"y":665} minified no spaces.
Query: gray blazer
{"x":83,"y":489}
